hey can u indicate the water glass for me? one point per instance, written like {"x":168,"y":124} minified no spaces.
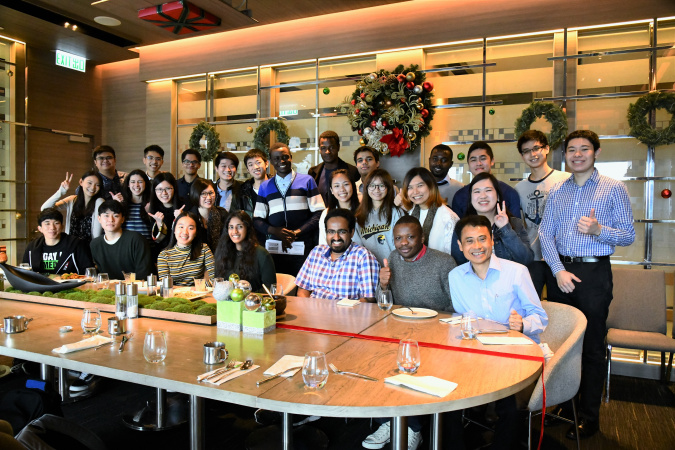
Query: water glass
{"x":315,"y":370}
{"x":200,"y":284}
{"x":385,"y":300}
{"x":408,"y":359}
{"x":90,"y":274}
{"x":25,"y":266}
{"x":129,"y":277}
{"x":469,"y":325}
{"x":91,"y":320}
{"x":276,"y":289}
{"x":102,"y":281}
{"x":154,"y":346}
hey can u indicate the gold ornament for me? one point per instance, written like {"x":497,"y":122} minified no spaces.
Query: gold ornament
{"x":388,"y":103}
{"x":412,"y":136}
{"x":249,"y":130}
{"x":419,"y":106}
{"x":410,"y":76}
{"x":372,"y":76}
{"x":362,"y":141}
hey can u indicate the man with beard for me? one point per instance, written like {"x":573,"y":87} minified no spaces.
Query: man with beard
{"x":340,"y":268}
{"x":440,"y":162}
{"x":329,"y":147}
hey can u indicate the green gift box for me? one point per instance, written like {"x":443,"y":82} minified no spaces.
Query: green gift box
{"x":229,"y":315}
{"x":259,"y":322}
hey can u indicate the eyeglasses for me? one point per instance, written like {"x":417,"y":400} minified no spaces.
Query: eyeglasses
{"x":104,"y":158}
{"x":379,"y":187}
{"x":535,"y":149}
{"x":153,"y":158}
{"x":190,"y":162}
{"x":207,"y":194}
{"x":164,"y":190}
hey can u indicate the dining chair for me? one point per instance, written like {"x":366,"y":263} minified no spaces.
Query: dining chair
{"x":288,"y":283}
{"x":562,"y":373}
{"x":637,"y":316}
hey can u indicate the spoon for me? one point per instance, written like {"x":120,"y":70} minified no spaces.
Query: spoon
{"x":217,"y":372}
{"x":245,"y":365}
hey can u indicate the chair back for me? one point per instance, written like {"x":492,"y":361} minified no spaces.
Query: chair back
{"x":562,"y":373}
{"x":639,"y":302}
{"x":287,"y":282}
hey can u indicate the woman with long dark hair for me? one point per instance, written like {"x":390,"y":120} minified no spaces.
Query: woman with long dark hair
{"x":136,"y":192}
{"x":508,"y":233}
{"x":186,"y":257}
{"x":342,"y":195}
{"x":203,"y":199}
{"x":420,"y":197}
{"x":239,"y":252}
{"x":377,"y":215}
{"x":81,"y":209}
{"x":163,"y":206}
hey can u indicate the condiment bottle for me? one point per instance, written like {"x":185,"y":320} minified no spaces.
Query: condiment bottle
{"x":132,"y":301}
{"x":120,"y":301}
{"x":152,"y":284}
{"x":167,"y":287}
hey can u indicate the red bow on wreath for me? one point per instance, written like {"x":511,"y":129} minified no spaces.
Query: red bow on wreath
{"x":395,"y":142}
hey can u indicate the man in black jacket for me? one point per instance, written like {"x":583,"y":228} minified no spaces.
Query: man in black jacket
{"x":56,"y":252}
{"x":329,"y":147}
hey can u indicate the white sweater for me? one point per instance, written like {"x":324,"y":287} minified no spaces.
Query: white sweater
{"x":67,"y":205}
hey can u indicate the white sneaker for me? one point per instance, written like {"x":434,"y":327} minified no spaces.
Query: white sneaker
{"x":414,"y":439}
{"x":378,"y":439}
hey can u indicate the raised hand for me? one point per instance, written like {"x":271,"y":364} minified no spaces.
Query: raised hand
{"x":65,"y":184}
{"x":117,"y":197}
{"x":501,"y":219}
{"x":589,"y":225}
{"x":515,"y":321}
{"x":159,"y":218}
{"x":178,"y":212}
{"x":385,"y":274}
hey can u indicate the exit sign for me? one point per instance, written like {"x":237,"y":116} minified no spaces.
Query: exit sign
{"x":70,"y":61}
{"x":288,"y":112}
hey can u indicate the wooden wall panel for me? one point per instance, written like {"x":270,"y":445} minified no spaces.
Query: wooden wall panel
{"x":159,"y":123}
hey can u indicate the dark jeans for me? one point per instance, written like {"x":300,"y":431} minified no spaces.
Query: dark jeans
{"x":592,"y":297}
{"x":541,"y":275}
{"x":506,"y":427}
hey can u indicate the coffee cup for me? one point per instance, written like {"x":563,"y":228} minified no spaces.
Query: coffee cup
{"x":116,"y":326}
{"x":16,"y":324}
{"x":215,"y":353}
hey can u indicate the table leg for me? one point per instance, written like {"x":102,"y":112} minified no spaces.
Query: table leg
{"x":161,"y":405}
{"x":436,"y":438}
{"x":47,"y":373}
{"x":63,"y":384}
{"x":399,"y":433}
{"x":287,"y":431}
{"x":196,"y":422}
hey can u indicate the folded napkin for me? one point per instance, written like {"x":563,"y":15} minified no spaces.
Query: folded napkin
{"x":285,"y":363}
{"x":428,"y":385}
{"x":347,"y":302}
{"x":84,"y":344}
{"x":454,"y":320}
{"x":504,"y":340}
{"x":231,"y":375}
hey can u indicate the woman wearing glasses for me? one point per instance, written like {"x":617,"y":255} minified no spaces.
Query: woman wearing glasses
{"x":420,"y":197}
{"x":377,"y":215}
{"x":203,"y":199}
{"x":342,"y":195}
{"x":163,"y":207}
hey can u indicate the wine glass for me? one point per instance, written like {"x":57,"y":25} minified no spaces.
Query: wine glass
{"x":102,"y":280}
{"x":91,"y":320}
{"x":154,"y":346}
{"x":25,"y":266}
{"x":315,"y":370}
{"x":408,"y":359}
{"x":276,"y":289}
{"x":90,"y":274}
{"x":469,"y":325}
{"x":385,"y":300}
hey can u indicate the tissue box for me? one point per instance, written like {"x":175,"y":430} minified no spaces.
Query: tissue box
{"x":259,"y":322}
{"x":229,"y":315}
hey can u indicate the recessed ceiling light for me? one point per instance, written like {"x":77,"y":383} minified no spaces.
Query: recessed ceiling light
{"x":107,"y":21}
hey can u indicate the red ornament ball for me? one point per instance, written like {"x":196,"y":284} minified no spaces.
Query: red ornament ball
{"x":373,"y":123}
{"x":356,"y":111}
{"x":427,"y":86}
{"x":410,"y":85}
{"x":363,"y":95}
{"x":666,"y":193}
{"x":400,"y":77}
{"x":360,"y":132}
{"x":384,"y":123}
{"x":403,"y":99}
{"x":373,"y":113}
{"x":353,"y":102}
{"x":424,"y":112}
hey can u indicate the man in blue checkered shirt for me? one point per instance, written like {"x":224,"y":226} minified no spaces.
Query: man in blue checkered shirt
{"x":340,"y":268}
{"x":586,"y":216}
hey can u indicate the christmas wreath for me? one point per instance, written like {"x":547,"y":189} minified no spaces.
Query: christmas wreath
{"x":554,"y":114}
{"x":212,"y":137}
{"x":391,"y":111}
{"x":640,"y":127}
{"x":263,"y":132}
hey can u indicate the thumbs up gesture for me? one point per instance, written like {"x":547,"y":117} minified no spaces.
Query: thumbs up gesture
{"x":515,"y":321}
{"x":385,"y":274}
{"x":589,"y":225}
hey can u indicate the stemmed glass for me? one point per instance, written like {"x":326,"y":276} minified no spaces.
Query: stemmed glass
{"x":90,"y":274}
{"x":91,"y":321}
{"x":315,"y":370}
{"x":408,"y":359}
{"x":276,"y":289}
{"x":154,"y":346}
{"x":385,"y":300}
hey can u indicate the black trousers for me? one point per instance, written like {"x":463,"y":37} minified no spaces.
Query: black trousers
{"x":592,"y":297}
{"x":541,"y":275}
{"x":506,"y":427}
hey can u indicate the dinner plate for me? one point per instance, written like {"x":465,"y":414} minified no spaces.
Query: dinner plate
{"x":419,"y":313}
{"x":188,"y":294}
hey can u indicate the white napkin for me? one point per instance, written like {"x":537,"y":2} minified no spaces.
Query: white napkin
{"x":504,"y":340}
{"x":83,"y":344}
{"x":428,"y":385}
{"x":347,"y":302}
{"x":454,"y":320}
{"x":232,"y":375}
{"x":285,"y":363}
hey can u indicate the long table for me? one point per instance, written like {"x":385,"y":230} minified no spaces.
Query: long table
{"x":481,"y":377}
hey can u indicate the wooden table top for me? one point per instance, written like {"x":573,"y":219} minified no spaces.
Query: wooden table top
{"x":481,"y":378}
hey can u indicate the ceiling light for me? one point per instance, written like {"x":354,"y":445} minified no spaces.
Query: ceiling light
{"x":97,"y":2}
{"x":66,"y":25}
{"x":107,"y":21}
{"x":74,"y":27}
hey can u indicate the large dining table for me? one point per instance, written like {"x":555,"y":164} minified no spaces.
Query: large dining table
{"x":360,"y":339}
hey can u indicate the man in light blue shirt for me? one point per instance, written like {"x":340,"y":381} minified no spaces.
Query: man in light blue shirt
{"x":494,"y":288}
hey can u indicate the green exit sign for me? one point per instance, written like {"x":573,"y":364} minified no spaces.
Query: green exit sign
{"x":70,"y":61}
{"x":288,"y":112}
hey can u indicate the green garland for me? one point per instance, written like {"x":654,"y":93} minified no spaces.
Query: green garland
{"x":554,"y":114}
{"x":212,"y":140}
{"x":263,"y":132}
{"x":640,"y":127}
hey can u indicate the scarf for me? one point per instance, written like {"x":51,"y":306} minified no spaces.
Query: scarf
{"x":428,"y":221}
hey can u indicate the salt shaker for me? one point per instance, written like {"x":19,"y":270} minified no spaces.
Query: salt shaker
{"x":120,"y":301}
{"x":167,"y":287}
{"x":132,"y":301}
{"x":152,"y":284}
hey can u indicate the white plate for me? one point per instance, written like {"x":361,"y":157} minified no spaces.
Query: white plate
{"x":419,"y":313}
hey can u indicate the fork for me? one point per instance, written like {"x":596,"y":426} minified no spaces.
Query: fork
{"x":217,"y":372}
{"x":358,"y":375}
{"x":244,"y":366}
{"x":412,"y":311}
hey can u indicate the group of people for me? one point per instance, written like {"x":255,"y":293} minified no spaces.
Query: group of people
{"x":347,"y":231}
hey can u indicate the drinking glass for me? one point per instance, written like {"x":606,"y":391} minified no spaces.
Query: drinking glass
{"x":25,"y":266}
{"x":129,"y":277}
{"x":91,"y":320}
{"x":276,"y":289}
{"x":384,"y":300}
{"x":315,"y":370}
{"x":200,"y":284}
{"x":102,"y":280}
{"x":154,"y":346}
{"x":408,"y":359}
{"x":90,"y":274}
{"x":469,"y":325}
